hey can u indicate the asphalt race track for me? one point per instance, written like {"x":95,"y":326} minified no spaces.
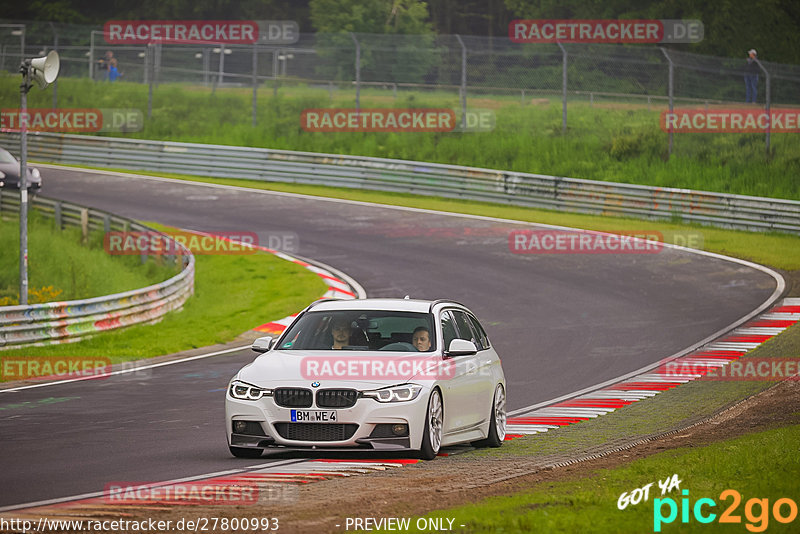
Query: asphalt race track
{"x":561,"y":322}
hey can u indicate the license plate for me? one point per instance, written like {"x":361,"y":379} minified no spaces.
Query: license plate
{"x":313,"y":416}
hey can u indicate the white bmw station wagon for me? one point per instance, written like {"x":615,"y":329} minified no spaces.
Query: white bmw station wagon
{"x":373,"y":374}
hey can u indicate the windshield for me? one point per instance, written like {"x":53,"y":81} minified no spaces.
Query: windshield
{"x":6,"y":157}
{"x":361,"y":330}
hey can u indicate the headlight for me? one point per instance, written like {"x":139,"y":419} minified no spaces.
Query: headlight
{"x":244,"y":391}
{"x":407,"y":392}
{"x":35,"y":173}
{"x":2,"y":174}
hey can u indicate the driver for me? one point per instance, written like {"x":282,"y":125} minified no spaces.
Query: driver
{"x":340,"y":330}
{"x":421,"y":339}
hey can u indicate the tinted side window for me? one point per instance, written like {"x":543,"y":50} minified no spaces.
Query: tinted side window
{"x":464,"y":329}
{"x":478,"y":329}
{"x":448,"y":329}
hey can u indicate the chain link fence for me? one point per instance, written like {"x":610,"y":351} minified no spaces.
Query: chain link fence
{"x":468,"y":66}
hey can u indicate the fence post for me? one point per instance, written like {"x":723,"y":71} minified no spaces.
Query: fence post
{"x":150,"y":75}
{"x":275,"y":72}
{"x":563,"y":89}
{"x":55,"y":83}
{"x":157,"y":64}
{"x":358,"y":70}
{"x":255,"y":81}
{"x":670,"y":89}
{"x":146,"y":66}
{"x":463,"y":88}
{"x":768,"y":102}
{"x":206,"y":65}
{"x":91,"y":55}
{"x":221,"y":76}
{"x":23,"y":192}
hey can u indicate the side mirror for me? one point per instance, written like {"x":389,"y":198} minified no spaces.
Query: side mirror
{"x":461,"y":347}
{"x":262,"y":344}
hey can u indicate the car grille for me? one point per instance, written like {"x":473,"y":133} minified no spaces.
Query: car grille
{"x":293,"y":397}
{"x":336,"y":398}
{"x":316,"y":431}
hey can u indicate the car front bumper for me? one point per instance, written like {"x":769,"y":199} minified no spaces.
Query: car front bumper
{"x":367,"y":414}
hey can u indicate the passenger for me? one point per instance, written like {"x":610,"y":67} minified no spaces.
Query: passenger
{"x":421,"y":339}
{"x":340,"y":330}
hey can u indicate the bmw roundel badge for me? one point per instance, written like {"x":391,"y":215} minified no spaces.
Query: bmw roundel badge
{"x":314,"y":384}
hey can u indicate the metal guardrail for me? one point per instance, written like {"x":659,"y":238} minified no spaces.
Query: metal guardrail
{"x":63,"y":322}
{"x":515,"y":188}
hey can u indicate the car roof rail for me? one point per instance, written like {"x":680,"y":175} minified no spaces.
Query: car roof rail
{"x":442,"y":301}
{"x":320,"y":301}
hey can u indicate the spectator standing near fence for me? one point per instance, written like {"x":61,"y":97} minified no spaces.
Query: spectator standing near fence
{"x":104,"y":64}
{"x":751,"y":76}
{"x":113,"y":72}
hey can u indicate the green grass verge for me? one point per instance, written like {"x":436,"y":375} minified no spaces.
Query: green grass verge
{"x":685,"y":404}
{"x":73,"y":269}
{"x":777,"y":250}
{"x":763,"y":465}
{"x":233,"y":293}
{"x":614,"y":141}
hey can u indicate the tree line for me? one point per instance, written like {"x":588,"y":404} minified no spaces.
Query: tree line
{"x":731,"y":26}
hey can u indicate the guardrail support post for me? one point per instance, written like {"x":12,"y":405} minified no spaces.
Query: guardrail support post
{"x":670,"y":89}
{"x":85,"y":225}
{"x":57,"y":220}
{"x":106,"y":223}
{"x":563,"y":88}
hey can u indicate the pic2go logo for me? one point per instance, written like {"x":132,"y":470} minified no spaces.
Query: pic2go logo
{"x":756,"y":511}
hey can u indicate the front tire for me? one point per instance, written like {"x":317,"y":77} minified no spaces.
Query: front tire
{"x":434,"y":419}
{"x":497,"y":421}
{"x":244,"y":452}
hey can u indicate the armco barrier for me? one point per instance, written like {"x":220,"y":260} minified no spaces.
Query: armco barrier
{"x":62,"y":322}
{"x":521,"y":189}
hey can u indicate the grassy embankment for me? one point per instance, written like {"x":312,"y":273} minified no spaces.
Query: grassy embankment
{"x":614,"y":141}
{"x":233,"y":293}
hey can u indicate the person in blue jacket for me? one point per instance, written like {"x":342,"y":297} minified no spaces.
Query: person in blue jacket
{"x":113,"y":72}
